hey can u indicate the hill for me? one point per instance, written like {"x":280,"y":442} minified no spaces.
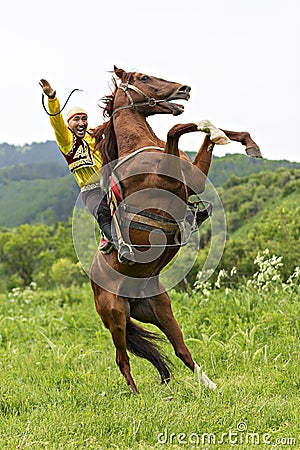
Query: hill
{"x":44,"y":152}
{"x":262,"y":211}
{"x":36,"y":186}
{"x":224,"y":167}
{"x":37,"y":201}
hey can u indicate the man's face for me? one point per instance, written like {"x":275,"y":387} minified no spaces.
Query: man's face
{"x":78,"y":124}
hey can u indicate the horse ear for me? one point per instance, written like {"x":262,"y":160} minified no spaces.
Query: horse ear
{"x":119,"y":72}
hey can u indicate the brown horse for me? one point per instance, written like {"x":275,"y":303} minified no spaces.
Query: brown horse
{"x":156,"y":179}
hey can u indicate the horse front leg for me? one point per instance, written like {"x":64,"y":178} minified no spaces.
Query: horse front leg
{"x":203,"y":158}
{"x":220,"y":136}
{"x":252,"y":149}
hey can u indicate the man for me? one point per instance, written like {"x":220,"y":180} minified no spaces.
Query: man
{"x":77,"y":145}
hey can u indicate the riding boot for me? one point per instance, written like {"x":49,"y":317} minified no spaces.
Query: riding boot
{"x":201,"y":215}
{"x":105,"y":221}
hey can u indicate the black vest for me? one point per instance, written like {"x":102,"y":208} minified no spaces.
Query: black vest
{"x":80,"y":154}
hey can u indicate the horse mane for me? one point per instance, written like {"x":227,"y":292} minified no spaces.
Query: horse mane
{"x":104,"y":135}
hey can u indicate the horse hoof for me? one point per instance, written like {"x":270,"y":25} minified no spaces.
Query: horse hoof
{"x":254,"y":152}
{"x":201,"y":376}
{"x":209,"y":384}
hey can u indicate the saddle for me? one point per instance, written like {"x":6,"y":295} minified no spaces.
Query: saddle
{"x":124,"y":215}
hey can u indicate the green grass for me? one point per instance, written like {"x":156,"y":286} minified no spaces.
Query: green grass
{"x":61,"y":389}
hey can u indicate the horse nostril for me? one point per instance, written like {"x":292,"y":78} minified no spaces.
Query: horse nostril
{"x":184,"y":89}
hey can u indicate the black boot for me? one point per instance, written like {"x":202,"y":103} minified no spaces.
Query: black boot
{"x":104,"y":220}
{"x":201,"y":215}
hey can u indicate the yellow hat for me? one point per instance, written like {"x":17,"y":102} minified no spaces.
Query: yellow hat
{"x":74,"y":111}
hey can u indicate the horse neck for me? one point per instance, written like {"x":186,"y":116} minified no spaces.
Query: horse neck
{"x":133,"y":132}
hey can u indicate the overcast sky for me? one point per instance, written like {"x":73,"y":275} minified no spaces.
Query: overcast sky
{"x":241,"y":58}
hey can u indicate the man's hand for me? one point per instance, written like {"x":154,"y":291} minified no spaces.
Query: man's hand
{"x":47,"y":89}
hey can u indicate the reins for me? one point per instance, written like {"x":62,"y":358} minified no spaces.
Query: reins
{"x":59,"y":112}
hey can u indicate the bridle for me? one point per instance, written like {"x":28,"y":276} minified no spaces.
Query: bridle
{"x":150,"y":101}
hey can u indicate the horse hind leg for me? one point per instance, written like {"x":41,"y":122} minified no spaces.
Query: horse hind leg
{"x":114,"y":313}
{"x":117,"y":328}
{"x":157,"y":311}
{"x":165,"y":320}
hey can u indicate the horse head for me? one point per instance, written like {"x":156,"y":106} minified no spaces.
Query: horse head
{"x":148,"y":95}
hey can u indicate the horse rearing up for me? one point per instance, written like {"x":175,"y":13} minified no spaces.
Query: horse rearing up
{"x":150,"y":216}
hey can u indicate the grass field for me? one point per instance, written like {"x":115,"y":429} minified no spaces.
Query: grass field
{"x":61,"y":389}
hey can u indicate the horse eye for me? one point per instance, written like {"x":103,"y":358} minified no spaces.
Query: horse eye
{"x":145,"y":78}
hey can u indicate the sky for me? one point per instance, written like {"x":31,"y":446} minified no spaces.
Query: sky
{"x":240,"y":57}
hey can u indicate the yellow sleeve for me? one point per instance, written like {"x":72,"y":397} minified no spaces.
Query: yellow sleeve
{"x":63,"y":135}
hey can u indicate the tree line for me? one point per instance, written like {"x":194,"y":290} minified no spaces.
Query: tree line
{"x":262,"y":211}
{"x":37,"y":187}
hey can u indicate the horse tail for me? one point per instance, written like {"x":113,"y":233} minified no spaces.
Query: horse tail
{"x":143,"y":343}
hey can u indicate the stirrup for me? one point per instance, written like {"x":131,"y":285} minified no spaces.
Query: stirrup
{"x":126,"y":254}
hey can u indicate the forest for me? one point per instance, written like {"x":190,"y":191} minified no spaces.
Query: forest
{"x":260,"y":199}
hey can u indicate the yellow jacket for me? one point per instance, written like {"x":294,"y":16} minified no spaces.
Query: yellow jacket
{"x":84,"y":163}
